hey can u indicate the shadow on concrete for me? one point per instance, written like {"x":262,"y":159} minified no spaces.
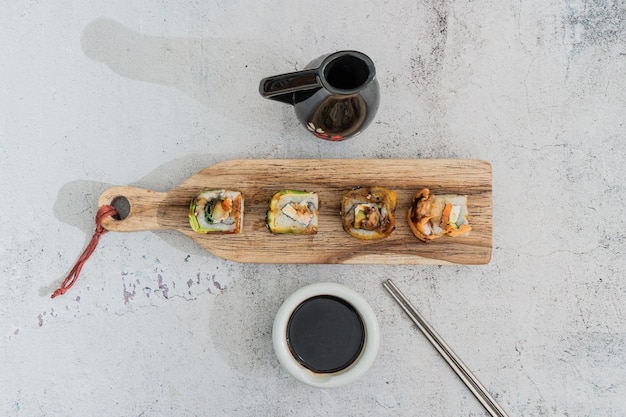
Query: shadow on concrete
{"x":222,"y":74}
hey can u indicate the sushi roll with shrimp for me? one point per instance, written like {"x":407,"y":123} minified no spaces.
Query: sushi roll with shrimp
{"x":216,"y":211}
{"x":368,"y":212}
{"x":431,"y":217}
{"x":292,"y":211}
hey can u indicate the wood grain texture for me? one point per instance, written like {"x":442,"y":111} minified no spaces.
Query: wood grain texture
{"x":331,"y":179}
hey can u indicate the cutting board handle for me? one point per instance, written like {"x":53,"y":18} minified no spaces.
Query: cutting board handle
{"x":144,"y":209}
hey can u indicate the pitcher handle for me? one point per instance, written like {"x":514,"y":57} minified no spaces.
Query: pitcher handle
{"x":281,"y":87}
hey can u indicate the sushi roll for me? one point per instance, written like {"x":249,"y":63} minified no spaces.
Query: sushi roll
{"x":368,"y":213}
{"x":294,"y":212}
{"x":216,"y":211}
{"x":431,"y":217}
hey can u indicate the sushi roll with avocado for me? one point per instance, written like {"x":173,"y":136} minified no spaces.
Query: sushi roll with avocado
{"x":216,"y":211}
{"x":368,"y":212}
{"x":431,"y":217}
{"x":292,"y":211}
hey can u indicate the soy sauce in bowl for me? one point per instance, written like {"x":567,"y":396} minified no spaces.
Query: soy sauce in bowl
{"x":325,"y":334}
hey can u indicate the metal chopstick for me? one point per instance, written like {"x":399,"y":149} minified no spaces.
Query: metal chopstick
{"x":448,"y":354}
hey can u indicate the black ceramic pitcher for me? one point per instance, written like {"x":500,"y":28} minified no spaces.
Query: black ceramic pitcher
{"x":335,"y":96}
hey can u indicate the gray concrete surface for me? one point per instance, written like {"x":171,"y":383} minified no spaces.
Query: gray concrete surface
{"x":96,"y":94}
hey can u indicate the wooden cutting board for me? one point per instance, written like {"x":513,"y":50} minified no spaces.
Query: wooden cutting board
{"x":331,"y":179}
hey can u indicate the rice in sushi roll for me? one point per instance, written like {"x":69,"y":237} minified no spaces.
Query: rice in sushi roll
{"x":368,"y":213}
{"x":292,"y":211}
{"x":216,"y":211}
{"x":431,"y":217}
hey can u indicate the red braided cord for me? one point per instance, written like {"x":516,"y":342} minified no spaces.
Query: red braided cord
{"x":103,"y":213}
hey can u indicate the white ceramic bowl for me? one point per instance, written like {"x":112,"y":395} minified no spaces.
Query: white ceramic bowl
{"x":335,"y":379}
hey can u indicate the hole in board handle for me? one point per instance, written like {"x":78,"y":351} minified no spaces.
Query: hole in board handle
{"x":122,"y":205}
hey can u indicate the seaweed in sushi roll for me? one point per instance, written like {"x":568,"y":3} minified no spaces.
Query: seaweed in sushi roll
{"x":216,"y":211}
{"x":368,"y":212}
